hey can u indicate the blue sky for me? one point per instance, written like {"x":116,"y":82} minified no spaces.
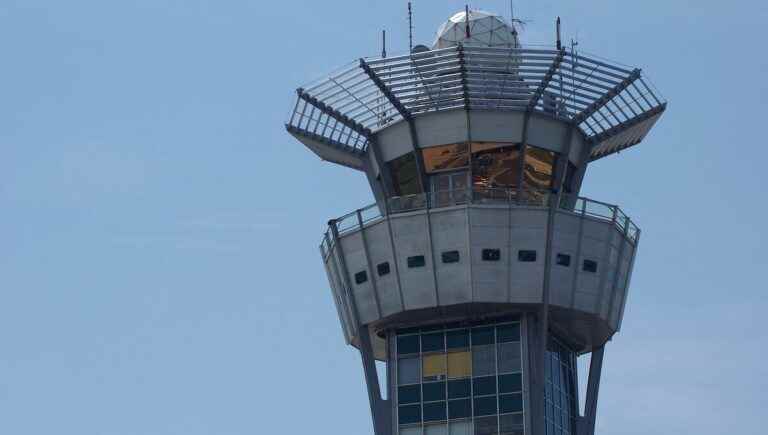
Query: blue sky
{"x":159,"y":271}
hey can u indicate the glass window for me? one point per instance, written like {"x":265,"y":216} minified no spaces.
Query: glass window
{"x":434,"y":391}
{"x":495,"y":167}
{"x":509,"y":357}
{"x":434,"y":367}
{"x":405,"y":175}
{"x":457,"y":339}
{"x":485,"y":405}
{"x":432,"y":342}
{"x":486,"y":426}
{"x":563,"y":260}
{"x":408,"y":394}
{"x":483,"y":360}
{"x":511,"y":424}
{"x":383,"y":268}
{"x":459,"y":427}
{"x":436,"y":429}
{"x":410,"y":430}
{"x":459,"y":408}
{"x":416,"y":261}
{"x":408,"y":370}
{"x":526,"y":256}
{"x":459,"y":364}
{"x":484,"y":386}
{"x":482,"y":336}
{"x":450,"y":257}
{"x":434,"y":411}
{"x":409,"y":414}
{"x":511,"y":403}
{"x":407,"y":344}
{"x":539,"y":167}
{"x":361,"y":277}
{"x":590,"y":266}
{"x":491,"y":254}
{"x":457,"y":389}
{"x":510,"y":383}
{"x":445,"y":157}
{"x":508,"y":333}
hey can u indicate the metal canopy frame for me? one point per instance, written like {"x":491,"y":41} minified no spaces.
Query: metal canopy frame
{"x":614,"y":106}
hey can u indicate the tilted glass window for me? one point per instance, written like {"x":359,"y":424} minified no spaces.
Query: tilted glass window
{"x":459,"y":365}
{"x":538,"y":168}
{"x":434,"y":367}
{"x":405,"y":175}
{"x":445,"y":157}
{"x":495,"y":167}
{"x":408,"y":371}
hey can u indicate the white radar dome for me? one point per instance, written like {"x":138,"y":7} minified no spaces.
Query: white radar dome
{"x":485,"y":30}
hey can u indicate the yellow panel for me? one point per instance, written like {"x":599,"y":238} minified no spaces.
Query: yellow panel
{"x":434,"y":366}
{"x":459,"y":364}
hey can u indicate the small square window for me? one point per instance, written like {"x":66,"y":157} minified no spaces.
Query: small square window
{"x":563,"y":260}
{"x":491,"y":254}
{"x":485,"y":406}
{"x":511,"y":403}
{"x":590,"y":266}
{"x":484,"y":386}
{"x":409,"y":394}
{"x":432,"y":342}
{"x":459,"y":408}
{"x":450,"y":257}
{"x":361,"y":277}
{"x":434,"y":391}
{"x":416,"y":261}
{"x":458,"y":389}
{"x":409,"y":414}
{"x":383,"y":268}
{"x":457,"y":339}
{"x":408,"y":344}
{"x":526,"y":256}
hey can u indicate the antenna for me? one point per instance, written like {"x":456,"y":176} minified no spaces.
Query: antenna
{"x":466,"y":19}
{"x":559,"y":43}
{"x":512,"y":11}
{"x":410,"y":28}
{"x":383,"y":43}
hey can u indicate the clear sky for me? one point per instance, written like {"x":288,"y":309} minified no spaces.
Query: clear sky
{"x":159,"y":270}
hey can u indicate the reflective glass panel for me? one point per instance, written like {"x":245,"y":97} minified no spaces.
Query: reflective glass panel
{"x":483,"y":360}
{"x":434,"y":367}
{"x":405,"y":175}
{"x":457,"y":339}
{"x":408,"y":370}
{"x":407,"y":344}
{"x":446,"y":157}
{"x":510,"y":383}
{"x":435,"y":411}
{"x":484,"y":386}
{"x":485,"y":405}
{"x":509,"y":357}
{"x":539,"y":167}
{"x":510,"y":403}
{"x":460,"y":388}
{"x":432,"y":342}
{"x":486,"y":426}
{"x":511,"y":424}
{"x":436,"y":429}
{"x":410,"y":430}
{"x":434,"y":391}
{"x":409,"y":414}
{"x":461,"y":408}
{"x":460,"y":427}
{"x":495,"y":168}
{"x":459,"y":364}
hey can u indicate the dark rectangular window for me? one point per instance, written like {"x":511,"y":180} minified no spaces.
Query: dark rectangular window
{"x":508,"y":333}
{"x":590,"y":266}
{"x":526,"y":256}
{"x":408,"y":394}
{"x":432,"y":342}
{"x":405,"y":175}
{"x":482,"y":336}
{"x":383,"y":268}
{"x":459,"y":408}
{"x":563,"y":260}
{"x":457,"y":389}
{"x":457,"y":339}
{"x":416,"y":261}
{"x":484,"y":386}
{"x":434,"y":411}
{"x":409,"y":414}
{"x":489,"y":426}
{"x":434,"y":391}
{"x":451,"y":257}
{"x":510,"y":383}
{"x":491,"y":254}
{"x":407,"y":344}
{"x":485,"y":405}
{"x":361,"y":277}
{"x":511,"y":403}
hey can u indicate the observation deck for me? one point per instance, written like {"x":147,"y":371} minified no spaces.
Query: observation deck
{"x":613,"y":106}
{"x":471,"y":253}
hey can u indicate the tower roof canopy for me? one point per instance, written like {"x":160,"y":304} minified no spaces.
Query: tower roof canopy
{"x":485,"y":30}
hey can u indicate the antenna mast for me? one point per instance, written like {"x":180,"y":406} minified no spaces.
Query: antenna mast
{"x":410,"y":28}
{"x":559,"y":43}
{"x":383,"y":43}
{"x":466,"y":19}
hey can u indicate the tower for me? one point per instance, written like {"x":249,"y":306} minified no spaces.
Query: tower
{"x":479,"y":274}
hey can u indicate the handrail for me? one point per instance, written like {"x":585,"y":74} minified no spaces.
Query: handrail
{"x":482,"y":196}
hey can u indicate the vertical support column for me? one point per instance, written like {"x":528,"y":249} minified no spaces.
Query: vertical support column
{"x":587,"y":423}
{"x":379,"y":407}
{"x":536,"y":375}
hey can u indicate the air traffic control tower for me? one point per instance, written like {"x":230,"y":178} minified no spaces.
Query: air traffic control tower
{"x":480,"y":274}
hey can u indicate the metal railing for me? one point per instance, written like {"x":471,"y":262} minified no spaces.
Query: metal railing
{"x":542,"y":199}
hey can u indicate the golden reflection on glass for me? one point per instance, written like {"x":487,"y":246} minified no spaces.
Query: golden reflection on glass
{"x":495,"y":166}
{"x":538,"y":170}
{"x":445,"y":157}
